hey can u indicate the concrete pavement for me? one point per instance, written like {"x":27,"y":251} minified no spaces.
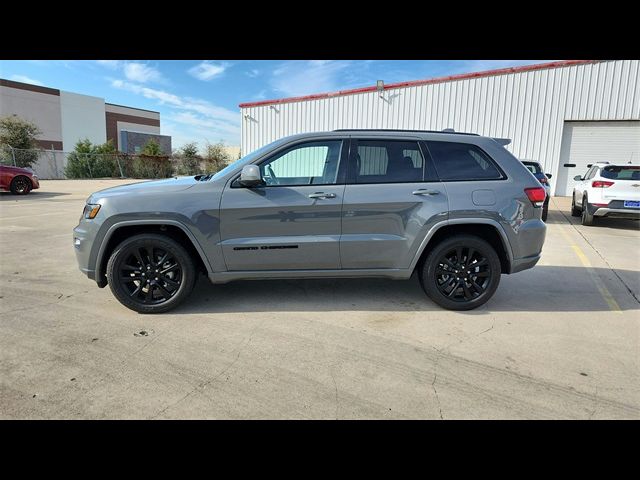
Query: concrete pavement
{"x":559,"y":341}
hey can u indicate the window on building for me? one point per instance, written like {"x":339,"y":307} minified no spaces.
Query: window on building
{"x":462,"y":161}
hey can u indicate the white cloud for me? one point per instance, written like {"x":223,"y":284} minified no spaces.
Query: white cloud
{"x":207,"y":70}
{"x":112,"y":64}
{"x":193,"y":119}
{"x":318,"y":63}
{"x":253,"y":73}
{"x":304,"y":77}
{"x":467,"y":66}
{"x":141,"y":72}
{"x":25,"y":79}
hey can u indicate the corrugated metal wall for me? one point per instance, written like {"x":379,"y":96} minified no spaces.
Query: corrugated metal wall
{"x":529,"y":107}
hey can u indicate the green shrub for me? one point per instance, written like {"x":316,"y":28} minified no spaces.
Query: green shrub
{"x":92,"y":161}
{"x":215,"y":157}
{"x":20,"y":135}
{"x":187,"y":160}
{"x":143,"y":166}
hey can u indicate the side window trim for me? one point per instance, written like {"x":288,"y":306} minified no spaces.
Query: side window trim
{"x":503,"y":175}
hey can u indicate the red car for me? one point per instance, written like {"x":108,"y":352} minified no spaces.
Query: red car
{"x":19,"y":181}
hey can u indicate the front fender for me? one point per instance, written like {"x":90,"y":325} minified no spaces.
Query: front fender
{"x":98,"y":256}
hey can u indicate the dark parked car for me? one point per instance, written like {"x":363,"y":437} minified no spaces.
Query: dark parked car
{"x":458,"y":209}
{"x":19,"y":181}
{"x":543,"y":178}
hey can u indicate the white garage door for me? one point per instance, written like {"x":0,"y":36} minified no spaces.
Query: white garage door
{"x":590,"y":142}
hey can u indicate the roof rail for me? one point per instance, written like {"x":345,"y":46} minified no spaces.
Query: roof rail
{"x":448,"y":130}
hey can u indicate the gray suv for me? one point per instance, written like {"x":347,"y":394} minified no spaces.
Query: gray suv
{"x":457,"y":209}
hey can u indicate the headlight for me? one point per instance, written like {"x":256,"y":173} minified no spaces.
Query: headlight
{"x":90,"y":211}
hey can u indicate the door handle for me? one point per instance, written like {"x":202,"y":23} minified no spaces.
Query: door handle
{"x":322,"y":195}
{"x":423,"y":191}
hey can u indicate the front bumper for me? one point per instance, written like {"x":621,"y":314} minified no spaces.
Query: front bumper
{"x":82,"y":247}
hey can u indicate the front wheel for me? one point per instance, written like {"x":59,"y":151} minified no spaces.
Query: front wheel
{"x":20,"y":185}
{"x":150,"y":273}
{"x":461,"y":273}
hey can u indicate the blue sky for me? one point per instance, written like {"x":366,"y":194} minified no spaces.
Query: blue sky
{"x":198,"y":100}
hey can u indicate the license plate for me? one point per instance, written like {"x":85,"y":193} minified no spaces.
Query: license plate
{"x":632,"y":203}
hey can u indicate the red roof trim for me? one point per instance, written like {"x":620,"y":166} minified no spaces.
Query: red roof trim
{"x":413,"y":83}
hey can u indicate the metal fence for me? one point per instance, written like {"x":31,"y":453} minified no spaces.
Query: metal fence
{"x":54,"y":164}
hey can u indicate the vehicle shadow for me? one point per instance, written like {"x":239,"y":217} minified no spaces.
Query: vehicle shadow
{"x":31,"y":196}
{"x":542,"y":289}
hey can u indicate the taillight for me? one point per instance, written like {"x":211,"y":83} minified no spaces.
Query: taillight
{"x":601,"y":184}
{"x":536,"y":195}
{"x":544,"y":180}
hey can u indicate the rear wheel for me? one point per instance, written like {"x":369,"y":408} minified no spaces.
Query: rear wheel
{"x":461,"y":273}
{"x":545,"y":211}
{"x":20,"y":185}
{"x":575,"y":211}
{"x":587,"y":218}
{"x":150,"y":273}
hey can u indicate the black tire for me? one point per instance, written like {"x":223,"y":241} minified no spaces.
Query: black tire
{"x":545,"y":212}
{"x":487,"y":277}
{"x":575,"y":211}
{"x":587,"y":219}
{"x":176,"y":273}
{"x":20,"y":185}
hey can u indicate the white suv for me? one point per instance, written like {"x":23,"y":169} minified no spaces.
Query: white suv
{"x":607,"y":190}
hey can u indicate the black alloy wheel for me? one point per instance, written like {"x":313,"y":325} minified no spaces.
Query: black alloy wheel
{"x":461,"y":273}
{"x":150,"y":273}
{"x":20,"y":185}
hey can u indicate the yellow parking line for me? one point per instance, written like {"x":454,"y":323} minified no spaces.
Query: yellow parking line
{"x":606,"y":295}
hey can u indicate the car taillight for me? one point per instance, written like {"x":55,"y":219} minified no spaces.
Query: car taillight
{"x":544,"y":180}
{"x":536,"y":195}
{"x":601,"y":184}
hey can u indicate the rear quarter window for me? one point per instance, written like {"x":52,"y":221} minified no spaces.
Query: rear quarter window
{"x":462,"y":161}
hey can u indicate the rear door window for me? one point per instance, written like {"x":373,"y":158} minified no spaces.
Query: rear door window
{"x":386,"y":161}
{"x":462,"y":161}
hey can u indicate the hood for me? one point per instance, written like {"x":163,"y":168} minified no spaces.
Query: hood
{"x":155,"y":186}
{"x":11,"y":168}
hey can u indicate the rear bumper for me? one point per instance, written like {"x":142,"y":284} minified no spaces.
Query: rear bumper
{"x":520,"y":264}
{"x":616,"y":212}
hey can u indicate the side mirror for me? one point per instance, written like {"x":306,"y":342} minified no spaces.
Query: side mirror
{"x":250,"y":176}
{"x":548,"y":175}
{"x":578,"y":178}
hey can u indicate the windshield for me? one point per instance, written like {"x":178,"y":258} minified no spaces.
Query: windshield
{"x":632,"y":172}
{"x":250,"y":157}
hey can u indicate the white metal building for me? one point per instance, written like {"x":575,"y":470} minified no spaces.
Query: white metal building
{"x":564,"y":114}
